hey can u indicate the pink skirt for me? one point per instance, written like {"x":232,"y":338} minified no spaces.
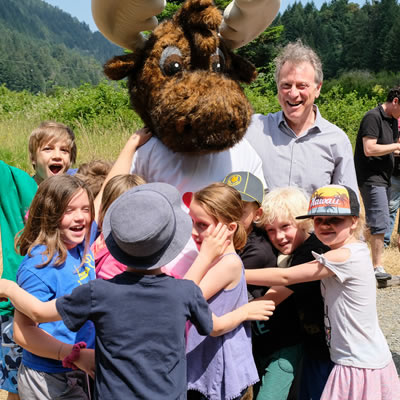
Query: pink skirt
{"x":345,"y":383}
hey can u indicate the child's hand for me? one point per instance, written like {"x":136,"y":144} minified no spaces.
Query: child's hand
{"x":259,"y":310}
{"x":140,"y":137}
{"x":215,"y":241}
{"x":86,"y":361}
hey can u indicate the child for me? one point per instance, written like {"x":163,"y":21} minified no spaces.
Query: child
{"x":106,"y":265}
{"x":139,"y":315}
{"x":52,"y":150}
{"x":258,"y":251}
{"x":94,"y":174}
{"x":292,"y":238}
{"x":222,"y":367}
{"x":117,"y":182}
{"x":363,"y":363}
{"x":16,"y":193}
{"x":55,"y":243}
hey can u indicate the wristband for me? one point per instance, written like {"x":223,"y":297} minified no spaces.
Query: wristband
{"x":68,"y":361}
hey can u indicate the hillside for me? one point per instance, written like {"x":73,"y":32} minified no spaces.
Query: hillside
{"x":41,"y":47}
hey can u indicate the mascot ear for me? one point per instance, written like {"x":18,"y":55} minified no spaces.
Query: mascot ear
{"x":119,"y":67}
{"x":242,"y":70}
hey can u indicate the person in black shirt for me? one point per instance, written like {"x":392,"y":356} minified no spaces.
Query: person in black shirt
{"x":376,"y":145}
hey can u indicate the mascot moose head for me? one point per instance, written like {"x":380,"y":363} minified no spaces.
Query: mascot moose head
{"x":184,"y":78}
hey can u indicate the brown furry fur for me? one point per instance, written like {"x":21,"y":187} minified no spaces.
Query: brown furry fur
{"x":177,"y":88}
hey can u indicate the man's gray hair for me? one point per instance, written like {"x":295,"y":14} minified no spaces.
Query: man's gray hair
{"x":296,"y":53}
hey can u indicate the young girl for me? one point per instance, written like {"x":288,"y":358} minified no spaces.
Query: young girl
{"x":219,"y":367}
{"x":364,"y":368}
{"x":106,"y":265}
{"x":55,"y":243}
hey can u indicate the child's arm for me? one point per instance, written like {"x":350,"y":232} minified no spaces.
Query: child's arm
{"x":254,"y":311}
{"x":29,"y":336}
{"x":311,"y":271}
{"x":23,"y":301}
{"x":276,"y":293}
{"x":213,"y":246}
{"x":123,"y":163}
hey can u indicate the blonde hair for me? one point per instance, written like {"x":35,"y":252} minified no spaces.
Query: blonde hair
{"x":94,"y":174}
{"x":114,"y":188}
{"x":45,"y":215}
{"x":223,"y":203}
{"x":361,"y":231}
{"x":285,"y":203}
{"x":49,"y":131}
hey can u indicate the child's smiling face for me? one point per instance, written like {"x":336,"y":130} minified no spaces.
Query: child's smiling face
{"x":75,"y":222}
{"x":285,"y":235}
{"x":335,"y":231}
{"x":201,"y":221}
{"x":52,"y":158}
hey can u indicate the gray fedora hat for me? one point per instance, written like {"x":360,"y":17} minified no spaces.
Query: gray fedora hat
{"x":146,"y":227}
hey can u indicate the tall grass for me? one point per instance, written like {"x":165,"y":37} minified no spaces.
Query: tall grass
{"x":102,"y":119}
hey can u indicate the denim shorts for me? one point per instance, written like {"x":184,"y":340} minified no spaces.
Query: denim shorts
{"x":376,"y":204}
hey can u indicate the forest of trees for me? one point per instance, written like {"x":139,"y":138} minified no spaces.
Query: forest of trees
{"x":42,"y":47}
{"x":346,"y":36}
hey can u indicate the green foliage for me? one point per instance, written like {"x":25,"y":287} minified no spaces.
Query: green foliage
{"x":365,"y":83}
{"x":346,"y":36}
{"x":42,"y":47}
{"x":345,"y":110}
{"x":263,"y":49}
{"x":102,"y":104}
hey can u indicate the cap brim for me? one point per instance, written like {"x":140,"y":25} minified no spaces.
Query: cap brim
{"x":325,"y":215}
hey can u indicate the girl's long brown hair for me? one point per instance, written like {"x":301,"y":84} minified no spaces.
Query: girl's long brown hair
{"x":45,"y":215}
{"x":224,"y":203}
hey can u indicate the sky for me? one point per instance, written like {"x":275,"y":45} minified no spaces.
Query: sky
{"x":81,"y":8}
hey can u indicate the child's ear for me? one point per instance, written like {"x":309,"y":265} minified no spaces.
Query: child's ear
{"x":232,"y":227}
{"x":258,"y":214}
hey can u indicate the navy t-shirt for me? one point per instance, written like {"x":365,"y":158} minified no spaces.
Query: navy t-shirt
{"x":140,"y":332}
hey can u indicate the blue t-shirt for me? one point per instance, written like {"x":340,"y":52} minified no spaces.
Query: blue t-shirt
{"x":140,"y":332}
{"x":48,"y":283}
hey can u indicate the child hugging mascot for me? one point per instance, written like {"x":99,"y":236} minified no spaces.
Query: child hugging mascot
{"x":184,"y":82}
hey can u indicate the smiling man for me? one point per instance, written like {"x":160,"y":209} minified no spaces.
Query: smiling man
{"x":296,"y":145}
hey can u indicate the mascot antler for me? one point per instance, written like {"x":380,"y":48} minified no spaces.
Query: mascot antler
{"x":122,"y":21}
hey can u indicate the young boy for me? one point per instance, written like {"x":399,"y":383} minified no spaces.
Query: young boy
{"x":258,"y":251}
{"x":52,"y":150}
{"x":16,"y":193}
{"x":292,"y":238}
{"x":140,"y":315}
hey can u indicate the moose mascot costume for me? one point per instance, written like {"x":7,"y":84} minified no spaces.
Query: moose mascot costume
{"x":184,"y":82}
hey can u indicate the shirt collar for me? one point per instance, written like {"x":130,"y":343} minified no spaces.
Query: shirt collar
{"x":383,"y":114}
{"x":316,"y":128}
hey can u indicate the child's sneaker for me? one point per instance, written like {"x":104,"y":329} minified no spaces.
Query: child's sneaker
{"x":381,"y":274}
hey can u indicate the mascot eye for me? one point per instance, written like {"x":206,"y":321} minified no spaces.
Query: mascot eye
{"x":171,"y":61}
{"x":218,"y":61}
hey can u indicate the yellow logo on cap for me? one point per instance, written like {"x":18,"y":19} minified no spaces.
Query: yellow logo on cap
{"x":234,"y":180}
